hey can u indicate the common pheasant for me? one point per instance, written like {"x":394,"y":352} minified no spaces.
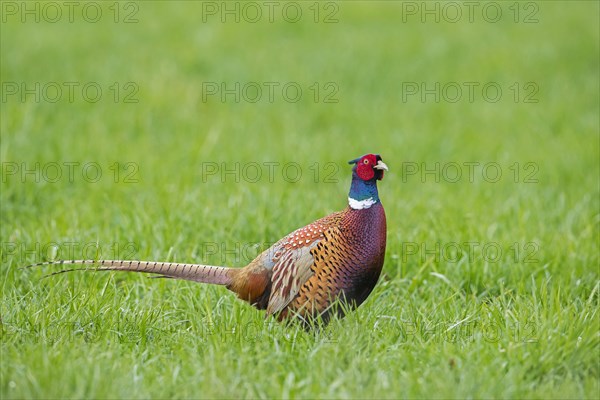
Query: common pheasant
{"x":338,"y":257}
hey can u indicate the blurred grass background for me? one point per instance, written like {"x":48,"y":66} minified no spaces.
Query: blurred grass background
{"x":127,"y":336}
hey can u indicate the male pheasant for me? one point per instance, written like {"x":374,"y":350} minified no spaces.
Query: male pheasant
{"x":338,"y":257}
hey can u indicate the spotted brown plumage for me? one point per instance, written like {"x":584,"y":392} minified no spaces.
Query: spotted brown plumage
{"x":338,"y":257}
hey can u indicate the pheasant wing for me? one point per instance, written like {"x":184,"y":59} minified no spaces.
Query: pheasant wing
{"x":293,"y":263}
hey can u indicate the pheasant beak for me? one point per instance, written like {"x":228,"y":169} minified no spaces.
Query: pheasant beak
{"x":381,"y":165}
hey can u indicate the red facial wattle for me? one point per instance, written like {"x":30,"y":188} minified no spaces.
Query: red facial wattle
{"x":365,"y":166}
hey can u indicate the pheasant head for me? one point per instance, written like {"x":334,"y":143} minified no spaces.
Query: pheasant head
{"x":367,"y":170}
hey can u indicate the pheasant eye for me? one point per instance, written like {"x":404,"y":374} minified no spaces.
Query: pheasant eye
{"x":366,"y":161}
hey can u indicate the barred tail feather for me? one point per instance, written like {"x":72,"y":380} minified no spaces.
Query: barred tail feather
{"x":190,"y":272}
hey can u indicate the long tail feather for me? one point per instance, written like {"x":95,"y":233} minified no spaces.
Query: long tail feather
{"x":190,"y":272}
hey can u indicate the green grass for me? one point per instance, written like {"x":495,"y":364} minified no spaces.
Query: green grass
{"x":521,"y":324}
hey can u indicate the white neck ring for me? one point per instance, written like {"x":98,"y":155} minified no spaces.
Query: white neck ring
{"x":361,"y":204}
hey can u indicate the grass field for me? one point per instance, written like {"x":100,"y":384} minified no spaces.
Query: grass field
{"x":171,"y":131}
